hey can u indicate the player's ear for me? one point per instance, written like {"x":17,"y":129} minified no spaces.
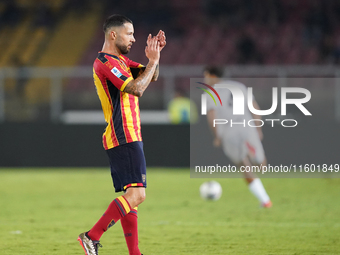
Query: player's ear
{"x":113,"y":34}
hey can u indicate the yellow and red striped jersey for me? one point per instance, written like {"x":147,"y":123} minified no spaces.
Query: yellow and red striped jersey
{"x":121,"y":110}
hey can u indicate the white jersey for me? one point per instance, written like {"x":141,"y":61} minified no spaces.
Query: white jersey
{"x":226,"y":110}
{"x":238,"y":139}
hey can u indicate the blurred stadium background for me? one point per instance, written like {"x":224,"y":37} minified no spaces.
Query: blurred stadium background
{"x":50,"y":114}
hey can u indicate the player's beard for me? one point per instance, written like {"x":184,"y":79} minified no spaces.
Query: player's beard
{"x":123,"y":49}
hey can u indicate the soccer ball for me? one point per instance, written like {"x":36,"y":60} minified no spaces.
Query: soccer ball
{"x":211,"y":190}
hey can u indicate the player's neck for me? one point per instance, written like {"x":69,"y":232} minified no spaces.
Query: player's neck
{"x":215,"y":81}
{"x":110,"y":49}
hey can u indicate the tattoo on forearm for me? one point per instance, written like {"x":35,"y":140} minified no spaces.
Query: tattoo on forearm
{"x":155,"y":74}
{"x":138,"y":86}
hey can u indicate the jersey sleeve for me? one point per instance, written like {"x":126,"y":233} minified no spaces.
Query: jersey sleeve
{"x":113,"y":72}
{"x":134,"y":64}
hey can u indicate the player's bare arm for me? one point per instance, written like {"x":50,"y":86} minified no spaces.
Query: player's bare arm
{"x":152,"y":51}
{"x":139,"y":85}
{"x":155,"y":74}
{"x":162,"y":42}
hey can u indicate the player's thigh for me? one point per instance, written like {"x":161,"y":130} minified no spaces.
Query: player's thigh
{"x":233,"y":145}
{"x":128,"y":167}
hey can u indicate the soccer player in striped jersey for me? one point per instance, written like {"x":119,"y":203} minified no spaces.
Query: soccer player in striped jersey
{"x":119,"y":82}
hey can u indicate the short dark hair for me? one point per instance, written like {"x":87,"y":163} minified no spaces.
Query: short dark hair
{"x":214,"y":70}
{"x":115,"y":20}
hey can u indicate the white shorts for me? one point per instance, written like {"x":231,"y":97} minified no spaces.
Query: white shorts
{"x":237,"y":143}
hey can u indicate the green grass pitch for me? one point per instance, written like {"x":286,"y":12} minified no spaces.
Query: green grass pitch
{"x":43,"y":211}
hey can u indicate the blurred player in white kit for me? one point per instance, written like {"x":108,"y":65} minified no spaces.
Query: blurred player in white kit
{"x":240,"y":143}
